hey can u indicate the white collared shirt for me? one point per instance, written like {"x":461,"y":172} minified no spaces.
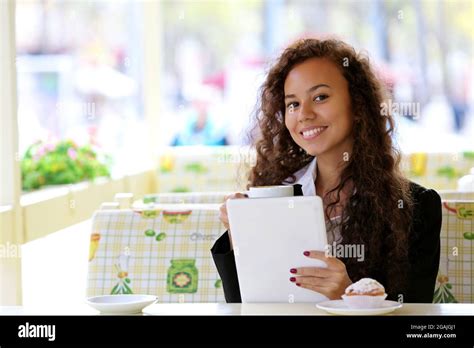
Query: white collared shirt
{"x":306,"y":177}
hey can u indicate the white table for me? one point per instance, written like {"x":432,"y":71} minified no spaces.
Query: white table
{"x":239,"y":309}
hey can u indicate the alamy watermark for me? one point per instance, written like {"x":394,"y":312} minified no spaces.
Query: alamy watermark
{"x":85,"y":108}
{"x":196,"y":237}
{"x":345,"y":251}
{"x":10,"y":250}
{"x":410,"y":109}
{"x":28,"y":330}
{"x":236,"y":158}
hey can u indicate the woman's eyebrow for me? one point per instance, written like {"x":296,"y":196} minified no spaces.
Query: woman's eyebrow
{"x":312,"y":89}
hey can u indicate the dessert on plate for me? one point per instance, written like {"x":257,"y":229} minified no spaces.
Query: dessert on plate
{"x":366,"y":293}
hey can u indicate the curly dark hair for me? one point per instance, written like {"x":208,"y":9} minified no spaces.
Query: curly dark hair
{"x":378,"y":212}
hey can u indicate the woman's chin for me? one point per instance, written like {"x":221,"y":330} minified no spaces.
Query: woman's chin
{"x":314,"y":150}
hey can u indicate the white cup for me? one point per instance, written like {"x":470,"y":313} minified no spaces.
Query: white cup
{"x":270,"y":191}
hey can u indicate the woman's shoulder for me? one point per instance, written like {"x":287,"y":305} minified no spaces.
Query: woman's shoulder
{"x":426,"y":203}
{"x":423,"y":195}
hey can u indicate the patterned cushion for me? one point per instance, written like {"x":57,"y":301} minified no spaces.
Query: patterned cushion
{"x":456,"y":269}
{"x":185,"y":197}
{"x":163,"y":252}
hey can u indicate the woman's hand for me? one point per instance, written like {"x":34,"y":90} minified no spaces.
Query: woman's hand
{"x":331,"y":281}
{"x":223,"y":213}
{"x":223,"y":209}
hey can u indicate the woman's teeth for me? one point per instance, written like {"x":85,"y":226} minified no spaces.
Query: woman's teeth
{"x":312,"y":133}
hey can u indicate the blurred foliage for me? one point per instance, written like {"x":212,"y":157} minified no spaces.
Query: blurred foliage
{"x":449,"y":172}
{"x":468,"y":154}
{"x":62,"y":163}
{"x":180,"y":189}
{"x":196,"y":167}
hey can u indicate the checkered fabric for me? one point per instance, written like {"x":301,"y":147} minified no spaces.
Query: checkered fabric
{"x":163,"y":252}
{"x":456,"y":269}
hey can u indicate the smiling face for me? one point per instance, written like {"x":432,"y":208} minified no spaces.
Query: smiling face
{"x":317,"y":112}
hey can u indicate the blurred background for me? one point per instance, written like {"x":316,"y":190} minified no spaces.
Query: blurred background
{"x":80,"y":75}
{"x":156,"y":96}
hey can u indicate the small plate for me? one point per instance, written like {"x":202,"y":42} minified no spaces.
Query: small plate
{"x":340,"y":308}
{"x":121,"y":304}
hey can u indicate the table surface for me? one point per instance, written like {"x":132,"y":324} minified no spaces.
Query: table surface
{"x":238,"y":309}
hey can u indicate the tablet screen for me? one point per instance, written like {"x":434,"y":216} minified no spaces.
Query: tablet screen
{"x":269,"y":236}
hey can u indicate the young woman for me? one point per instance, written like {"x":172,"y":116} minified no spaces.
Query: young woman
{"x":321,"y":126}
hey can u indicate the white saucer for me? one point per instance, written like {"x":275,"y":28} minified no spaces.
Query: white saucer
{"x":340,"y":308}
{"x":120,"y":304}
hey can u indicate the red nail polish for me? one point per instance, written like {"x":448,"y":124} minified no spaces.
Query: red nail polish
{"x":298,"y":284}
{"x":293,"y":279}
{"x":306,"y":253}
{"x":293,"y":270}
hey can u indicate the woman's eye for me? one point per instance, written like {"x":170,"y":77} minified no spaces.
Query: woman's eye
{"x":320,"y":97}
{"x":292,"y":106}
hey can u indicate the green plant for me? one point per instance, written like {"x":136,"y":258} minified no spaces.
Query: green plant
{"x":449,"y":172}
{"x":195,"y":167}
{"x":468,"y":155}
{"x":443,"y":292}
{"x":181,"y":189}
{"x":62,"y":163}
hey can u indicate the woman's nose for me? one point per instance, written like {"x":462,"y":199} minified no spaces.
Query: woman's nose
{"x":305,"y":113}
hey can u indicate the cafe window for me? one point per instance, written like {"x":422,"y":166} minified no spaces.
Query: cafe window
{"x":79,"y":68}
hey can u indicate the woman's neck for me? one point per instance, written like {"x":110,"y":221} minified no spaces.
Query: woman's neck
{"x":328,"y":173}
{"x":328,"y":176}
{"x":330,"y":166}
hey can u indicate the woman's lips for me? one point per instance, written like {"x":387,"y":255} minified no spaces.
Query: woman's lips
{"x":312,"y":133}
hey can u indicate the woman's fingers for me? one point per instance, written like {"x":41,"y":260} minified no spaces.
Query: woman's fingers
{"x":314,"y":281}
{"x":326,"y":287}
{"x":332,"y":262}
{"x":223,"y":216}
{"x":318,"y":288}
{"x":313,"y":271}
{"x":223,"y":208}
{"x":235,"y":195}
{"x":331,"y":281}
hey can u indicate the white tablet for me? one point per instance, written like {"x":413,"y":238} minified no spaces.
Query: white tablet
{"x":269,"y":236}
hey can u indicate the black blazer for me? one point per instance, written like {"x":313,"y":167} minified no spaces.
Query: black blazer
{"x":424,"y":251}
